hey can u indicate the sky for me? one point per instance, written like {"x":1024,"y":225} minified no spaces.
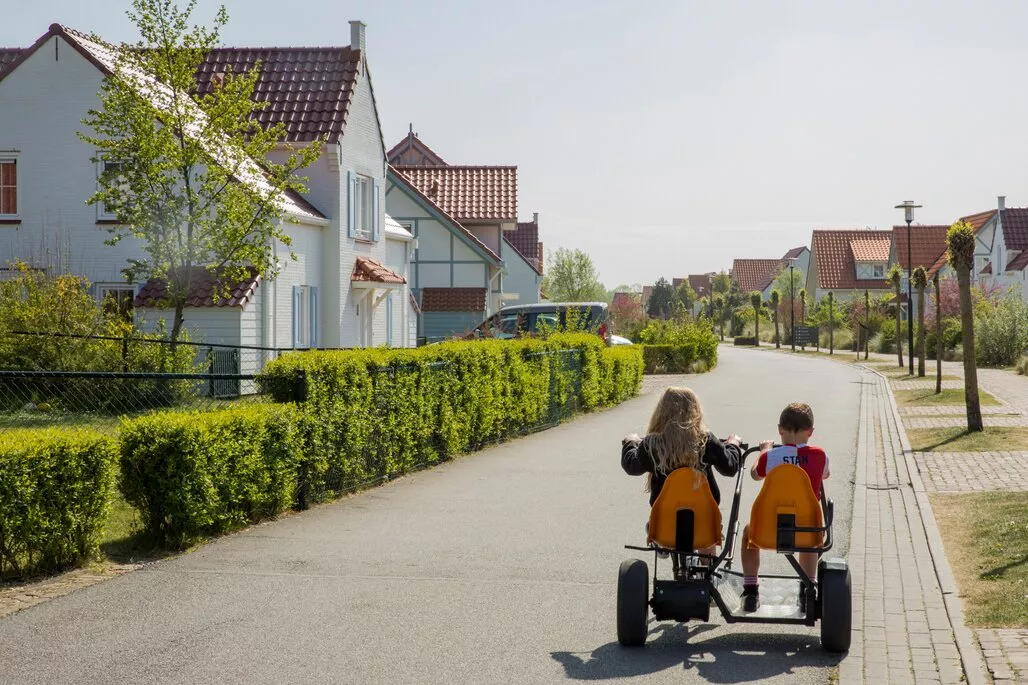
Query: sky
{"x":671,"y":137}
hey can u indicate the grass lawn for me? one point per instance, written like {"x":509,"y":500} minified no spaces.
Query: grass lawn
{"x":1004,"y":438}
{"x":927,"y":397}
{"x":904,"y":376}
{"x":986,"y":538}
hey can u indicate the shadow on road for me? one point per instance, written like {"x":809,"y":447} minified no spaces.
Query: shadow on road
{"x":727,"y":658}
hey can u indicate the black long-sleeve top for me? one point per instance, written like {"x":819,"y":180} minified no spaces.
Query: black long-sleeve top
{"x":636,"y":461}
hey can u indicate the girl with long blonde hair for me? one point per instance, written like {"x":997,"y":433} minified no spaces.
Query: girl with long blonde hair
{"x":677,"y":438}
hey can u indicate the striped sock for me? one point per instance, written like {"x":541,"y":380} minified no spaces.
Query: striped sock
{"x":750,"y":581}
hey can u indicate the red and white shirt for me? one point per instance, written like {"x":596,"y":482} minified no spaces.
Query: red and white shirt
{"x":811,"y":459}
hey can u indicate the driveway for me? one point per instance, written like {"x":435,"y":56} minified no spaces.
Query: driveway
{"x":499,"y":567}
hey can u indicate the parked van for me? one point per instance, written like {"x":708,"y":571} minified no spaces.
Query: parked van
{"x":535,"y":319}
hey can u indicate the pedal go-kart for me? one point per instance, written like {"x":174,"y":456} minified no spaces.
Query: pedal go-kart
{"x":786,"y":517}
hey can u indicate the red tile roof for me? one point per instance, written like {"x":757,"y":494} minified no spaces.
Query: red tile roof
{"x":1019,"y":262}
{"x":870,"y":249}
{"x":794,"y":253}
{"x":987,"y":269}
{"x":206,"y":289}
{"x":1015,"y":228}
{"x":980,"y":219}
{"x":367,"y":270}
{"x":412,"y":151}
{"x":754,"y":274}
{"x":8,"y":55}
{"x":453,"y":299}
{"x":928,"y":243}
{"x":469,"y":193}
{"x":833,"y":256}
{"x":409,"y":184}
{"x":700,"y":283}
{"x":309,"y":90}
{"x":525,"y":241}
{"x":622,"y":299}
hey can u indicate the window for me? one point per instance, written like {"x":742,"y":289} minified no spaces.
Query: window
{"x":305,"y":316}
{"x":113,"y":169}
{"x":116,"y":298}
{"x":8,"y":187}
{"x":878,"y":271}
{"x":363,"y":207}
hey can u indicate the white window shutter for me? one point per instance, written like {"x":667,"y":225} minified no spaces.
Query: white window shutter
{"x":351,"y":204}
{"x":296,"y":315}
{"x":314,"y":316}
{"x":376,"y":213}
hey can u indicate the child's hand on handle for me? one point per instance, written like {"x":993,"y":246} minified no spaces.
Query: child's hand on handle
{"x":733,"y":439}
{"x":631,"y":437}
{"x":766,"y":445}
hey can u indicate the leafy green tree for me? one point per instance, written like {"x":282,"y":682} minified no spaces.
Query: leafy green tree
{"x":174,"y":160}
{"x":895,"y":279}
{"x":920,"y":281}
{"x":803,"y":306}
{"x":721,"y":283}
{"x":686,"y":296}
{"x":756,"y":301}
{"x":719,"y":313}
{"x":571,"y":277}
{"x":776,"y":301}
{"x":662,"y":300}
{"x":960,"y":243}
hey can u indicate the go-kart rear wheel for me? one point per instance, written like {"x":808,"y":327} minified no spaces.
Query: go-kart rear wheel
{"x":633,"y":602}
{"x":836,"y":607}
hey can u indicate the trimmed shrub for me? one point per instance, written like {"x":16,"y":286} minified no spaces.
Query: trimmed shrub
{"x":55,"y":494}
{"x":1001,"y":331}
{"x":659,"y":359}
{"x":739,"y":340}
{"x":375,"y":414}
{"x":1022,"y":366}
{"x":192,"y":474}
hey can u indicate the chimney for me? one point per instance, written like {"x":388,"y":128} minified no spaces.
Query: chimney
{"x":357,"y":36}
{"x":1002,"y":202}
{"x":535,"y":218}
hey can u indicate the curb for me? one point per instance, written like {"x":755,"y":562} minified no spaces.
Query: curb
{"x":970,"y":656}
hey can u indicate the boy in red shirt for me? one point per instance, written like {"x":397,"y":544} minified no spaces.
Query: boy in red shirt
{"x":795,"y":426}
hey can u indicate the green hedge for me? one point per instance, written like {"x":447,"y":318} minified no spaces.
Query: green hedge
{"x":368,"y":415}
{"x":687,"y":358}
{"x":192,"y":473}
{"x":55,"y":495}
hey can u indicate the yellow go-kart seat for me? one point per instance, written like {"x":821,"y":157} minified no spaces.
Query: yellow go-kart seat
{"x":786,"y":497}
{"x":685,"y":490}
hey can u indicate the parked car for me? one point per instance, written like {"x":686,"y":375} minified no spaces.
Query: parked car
{"x":535,"y":319}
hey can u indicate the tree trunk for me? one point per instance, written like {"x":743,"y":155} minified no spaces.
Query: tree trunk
{"x":756,"y":327}
{"x":971,"y":398}
{"x":899,"y":333}
{"x":921,"y":337}
{"x":831,"y":329}
{"x":938,"y":338}
{"x":778,"y":341}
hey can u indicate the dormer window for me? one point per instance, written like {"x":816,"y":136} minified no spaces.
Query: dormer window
{"x":878,"y":271}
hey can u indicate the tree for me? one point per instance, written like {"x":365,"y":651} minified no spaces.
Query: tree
{"x":719,"y":312}
{"x":756,"y":301}
{"x":960,"y":242}
{"x":721,"y":283}
{"x":188,"y":174}
{"x":831,"y":322}
{"x":938,"y":334}
{"x":687,"y":296}
{"x":571,"y":277}
{"x":776,"y":300}
{"x":627,"y":316}
{"x":920,"y":281}
{"x":895,"y":279}
{"x":662,"y":300}
{"x":803,"y":306}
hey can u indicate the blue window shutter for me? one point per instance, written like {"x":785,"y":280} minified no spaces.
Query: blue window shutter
{"x":314,"y":316}
{"x":376,"y":214}
{"x":296,"y":315}
{"x":351,"y":200}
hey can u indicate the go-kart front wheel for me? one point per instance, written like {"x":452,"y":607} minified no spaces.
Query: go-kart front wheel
{"x":633,"y":602}
{"x":836,"y":606}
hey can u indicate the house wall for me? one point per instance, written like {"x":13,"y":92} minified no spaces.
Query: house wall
{"x":42,"y":104}
{"x":520,"y":279}
{"x":436,"y":325}
{"x":399,"y":309}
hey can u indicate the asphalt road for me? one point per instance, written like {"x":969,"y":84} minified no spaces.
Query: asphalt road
{"x":495,"y":568}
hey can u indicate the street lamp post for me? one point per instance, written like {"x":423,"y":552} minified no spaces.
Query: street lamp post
{"x":792,"y":306}
{"x":908,"y":208}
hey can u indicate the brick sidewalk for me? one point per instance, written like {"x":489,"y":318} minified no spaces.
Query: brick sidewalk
{"x":973,"y":471}
{"x":961,"y":421}
{"x":956,"y":410}
{"x":927,"y":385}
{"x":902,"y":631}
{"x":1006,"y":651}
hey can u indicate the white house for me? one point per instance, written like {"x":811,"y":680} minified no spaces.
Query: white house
{"x":473,"y":256}
{"x":1001,"y":257}
{"x":348,"y":285}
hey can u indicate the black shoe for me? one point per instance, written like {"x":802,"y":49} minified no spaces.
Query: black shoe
{"x":803,"y":596}
{"x":750,"y":598}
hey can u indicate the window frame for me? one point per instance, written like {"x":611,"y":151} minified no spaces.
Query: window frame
{"x":878,"y":270}
{"x":365,"y":207}
{"x":102,"y":290}
{"x":9,"y":158}
{"x":101,"y":209}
